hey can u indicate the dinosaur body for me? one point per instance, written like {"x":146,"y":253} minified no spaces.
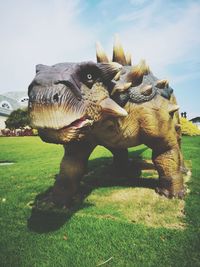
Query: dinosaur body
{"x":111,"y":104}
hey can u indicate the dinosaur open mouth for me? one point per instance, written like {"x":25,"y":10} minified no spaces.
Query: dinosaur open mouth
{"x":50,"y":116}
{"x":62,"y":123}
{"x":78,"y":124}
{"x":74,"y":130}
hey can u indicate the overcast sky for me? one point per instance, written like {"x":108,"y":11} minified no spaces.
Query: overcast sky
{"x":165,"y":33}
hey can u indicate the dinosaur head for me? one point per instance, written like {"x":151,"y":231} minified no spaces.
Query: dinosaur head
{"x":66,"y":99}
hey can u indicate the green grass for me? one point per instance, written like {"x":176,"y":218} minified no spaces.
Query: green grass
{"x":131,"y":224}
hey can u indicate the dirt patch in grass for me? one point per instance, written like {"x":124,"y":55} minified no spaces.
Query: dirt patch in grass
{"x":138,"y":205}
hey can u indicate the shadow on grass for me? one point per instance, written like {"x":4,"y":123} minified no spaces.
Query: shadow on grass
{"x":48,"y":220}
{"x":101,"y":173}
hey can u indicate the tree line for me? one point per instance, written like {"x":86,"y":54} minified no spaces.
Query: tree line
{"x":18,"y":119}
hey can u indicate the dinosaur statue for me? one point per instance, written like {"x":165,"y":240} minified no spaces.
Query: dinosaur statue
{"x":113,"y":104}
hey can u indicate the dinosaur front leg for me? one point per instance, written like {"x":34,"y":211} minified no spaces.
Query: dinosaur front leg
{"x":168,"y":165}
{"x":73,"y":167}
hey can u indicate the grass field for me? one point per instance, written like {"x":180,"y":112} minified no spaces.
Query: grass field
{"x":115,"y":225}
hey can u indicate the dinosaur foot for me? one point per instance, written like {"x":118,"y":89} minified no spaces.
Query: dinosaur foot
{"x":171,"y":194}
{"x":54,"y":199}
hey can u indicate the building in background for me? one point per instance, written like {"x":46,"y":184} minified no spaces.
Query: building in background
{"x":11,"y":101}
{"x":196,"y":121}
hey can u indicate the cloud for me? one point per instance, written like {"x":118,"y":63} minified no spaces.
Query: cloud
{"x":161,"y":34}
{"x":165,"y":33}
{"x":35,"y":32}
{"x":185,"y":77}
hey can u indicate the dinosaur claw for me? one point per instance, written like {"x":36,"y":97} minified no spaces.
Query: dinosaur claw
{"x":168,"y":194}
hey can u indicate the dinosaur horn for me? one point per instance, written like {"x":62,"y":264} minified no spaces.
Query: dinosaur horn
{"x":109,"y":70}
{"x":136,"y":74}
{"x":128,"y":58}
{"x":110,"y":107}
{"x":161,"y":84}
{"x":118,"y":52}
{"x":172,"y":108}
{"x":100,"y":54}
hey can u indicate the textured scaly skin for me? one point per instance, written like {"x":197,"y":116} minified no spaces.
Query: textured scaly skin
{"x":148,"y":123}
{"x":152,"y":122}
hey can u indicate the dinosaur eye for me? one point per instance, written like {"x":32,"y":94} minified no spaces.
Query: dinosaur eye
{"x":89,"y":76}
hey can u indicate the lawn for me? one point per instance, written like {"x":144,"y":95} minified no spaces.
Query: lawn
{"x":119,"y":222}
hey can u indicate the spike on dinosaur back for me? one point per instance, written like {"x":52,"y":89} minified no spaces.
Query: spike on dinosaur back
{"x":128,"y":59}
{"x":136,"y":74}
{"x":109,"y":70}
{"x":121,"y":87}
{"x":146,"y":90}
{"x":161,"y":84}
{"x":100,"y":54}
{"x":118,"y":52}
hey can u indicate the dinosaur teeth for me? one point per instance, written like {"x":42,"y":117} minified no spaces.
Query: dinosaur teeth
{"x":100,"y":54}
{"x":118,"y":52}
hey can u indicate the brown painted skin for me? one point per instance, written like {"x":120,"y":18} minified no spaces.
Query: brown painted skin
{"x":148,"y":123}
